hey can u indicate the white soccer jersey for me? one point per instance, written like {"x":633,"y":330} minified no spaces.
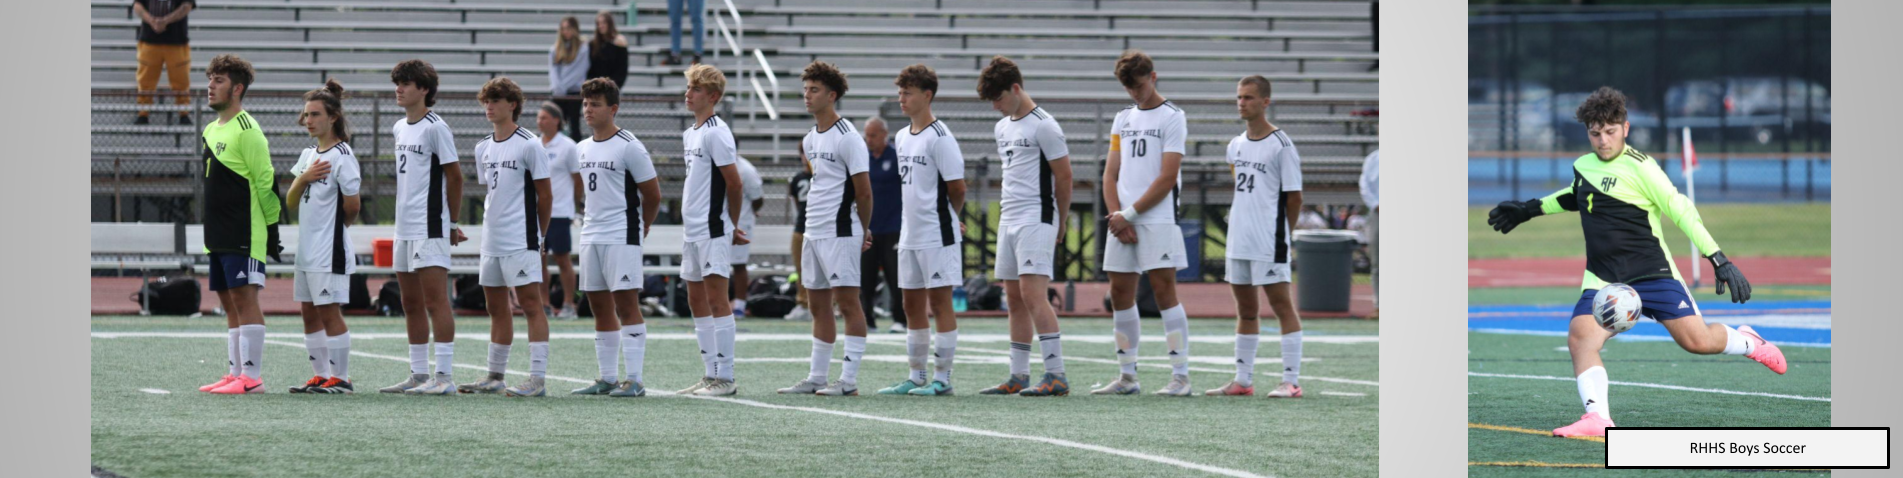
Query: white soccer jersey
{"x":510,"y":166}
{"x":561,"y":166}
{"x":1028,"y":145}
{"x":751,"y":188}
{"x":610,"y":171}
{"x":836,"y":154}
{"x":1141,"y":137}
{"x":929,"y":161}
{"x":1266,"y":171}
{"x":708,"y":146}
{"x":422,"y":201}
{"x":322,"y":243}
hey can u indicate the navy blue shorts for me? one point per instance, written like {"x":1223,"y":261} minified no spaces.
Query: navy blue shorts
{"x":559,"y":241}
{"x":1664,"y":299}
{"x":230,"y":270}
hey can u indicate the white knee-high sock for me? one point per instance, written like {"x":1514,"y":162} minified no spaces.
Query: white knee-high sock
{"x":231,"y":352}
{"x":445,"y":359}
{"x":943,"y":351}
{"x":724,"y":328}
{"x":855,"y":354}
{"x":607,"y":343}
{"x":1020,"y":358}
{"x":538,"y":359}
{"x":1129,"y":337}
{"x":1292,"y":357}
{"x":704,"y":336}
{"x":1245,"y":357}
{"x":634,"y":349}
{"x":917,"y":341}
{"x":419,"y":359}
{"x":1176,"y":330}
{"x":340,"y":356}
{"x":1737,"y":343}
{"x":1053,"y":347}
{"x":319,"y":352}
{"x":498,"y":358}
{"x":822,"y":361}
{"x":1592,"y":391}
{"x":251,"y":349}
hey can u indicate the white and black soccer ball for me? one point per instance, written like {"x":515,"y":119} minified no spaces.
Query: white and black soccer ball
{"x":1616,"y":307}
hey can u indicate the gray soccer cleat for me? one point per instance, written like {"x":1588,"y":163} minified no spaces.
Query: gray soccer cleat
{"x":1178,"y":387}
{"x":438,"y":385}
{"x":839,"y":388}
{"x":533,"y":387}
{"x":1125,"y":384}
{"x":491,"y":383}
{"x":600,"y":387}
{"x":805,"y":387}
{"x":628,"y":388}
{"x":703,"y":383}
{"x":719,"y":388}
{"x":416,"y":380}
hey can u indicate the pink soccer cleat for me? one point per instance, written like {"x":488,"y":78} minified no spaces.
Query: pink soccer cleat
{"x":1764,"y":352}
{"x":1286,"y":390}
{"x":220,"y":383}
{"x":1231,"y":389}
{"x":240,"y":386}
{"x":1589,"y":425}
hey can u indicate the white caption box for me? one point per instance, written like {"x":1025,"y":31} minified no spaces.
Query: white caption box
{"x":1628,"y":447}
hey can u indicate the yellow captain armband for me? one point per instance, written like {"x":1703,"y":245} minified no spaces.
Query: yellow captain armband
{"x":1115,"y":142}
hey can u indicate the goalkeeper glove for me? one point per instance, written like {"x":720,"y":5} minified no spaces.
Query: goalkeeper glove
{"x":1727,"y":273}
{"x":1509,"y":214}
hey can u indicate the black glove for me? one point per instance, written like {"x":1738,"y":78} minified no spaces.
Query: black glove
{"x":273,"y":246}
{"x":1726,"y":272}
{"x":1509,"y":214}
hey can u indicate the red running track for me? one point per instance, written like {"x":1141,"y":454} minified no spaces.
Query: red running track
{"x":1566,"y":272}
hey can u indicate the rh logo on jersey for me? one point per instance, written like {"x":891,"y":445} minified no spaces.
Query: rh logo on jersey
{"x":1606,"y":183}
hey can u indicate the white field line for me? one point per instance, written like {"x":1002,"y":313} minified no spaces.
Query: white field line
{"x":1656,"y":385}
{"x":900,"y":421}
{"x":154,"y":391}
{"x":1630,"y":337}
{"x":1345,"y":394}
{"x":989,"y":359}
{"x":1277,"y":373}
{"x":747,"y":337}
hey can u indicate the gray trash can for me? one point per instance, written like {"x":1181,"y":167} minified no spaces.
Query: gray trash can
{"x":1324,"y":268}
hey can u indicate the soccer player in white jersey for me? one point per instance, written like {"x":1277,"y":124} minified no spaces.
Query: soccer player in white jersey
{"x":1268,"y":197}
{"x":429,"y":186}
{"x":710,"y":212}
{"x":931,"y":259}
{"x":839,"y":206}
{"x":1140,"y":186}
{"x":1034,"y":208}
{"x":622,"y":194}
{"x":564,"y":185}
{"x":753,"y":193}
{"x":325,"y":198}
{"x":515,"y":217}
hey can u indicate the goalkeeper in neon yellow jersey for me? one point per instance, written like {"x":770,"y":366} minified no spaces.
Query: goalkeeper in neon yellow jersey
{"x":1619,"y":194}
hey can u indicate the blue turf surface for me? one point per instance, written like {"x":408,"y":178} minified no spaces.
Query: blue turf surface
{"x":1803,"y":323}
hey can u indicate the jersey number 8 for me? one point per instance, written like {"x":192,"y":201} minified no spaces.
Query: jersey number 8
{"x":591,"y":181}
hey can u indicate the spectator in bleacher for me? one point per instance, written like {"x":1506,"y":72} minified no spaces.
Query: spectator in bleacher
{"x":567,"y":69}
{"x":163,"y":45}
{"x":1371,"y":195}
{"x":608,"y":51}
{"x":884,"y":254}
{"x":676,"y":8}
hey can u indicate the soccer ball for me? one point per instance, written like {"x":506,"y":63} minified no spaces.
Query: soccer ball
{"x":1616,"y":307}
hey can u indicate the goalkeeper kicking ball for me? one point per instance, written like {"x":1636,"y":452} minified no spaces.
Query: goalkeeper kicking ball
{"x":1616,"y":307}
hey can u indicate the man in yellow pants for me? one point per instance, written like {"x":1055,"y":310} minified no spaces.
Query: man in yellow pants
{"x":163,"y":45}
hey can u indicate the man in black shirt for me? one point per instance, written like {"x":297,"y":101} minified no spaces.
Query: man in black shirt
{"x":163,"y":46}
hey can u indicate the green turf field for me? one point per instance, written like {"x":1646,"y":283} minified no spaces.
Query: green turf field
{"x":138,"y":433}
{"x":1743,"y":230}
{"x":1510,"y":419}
